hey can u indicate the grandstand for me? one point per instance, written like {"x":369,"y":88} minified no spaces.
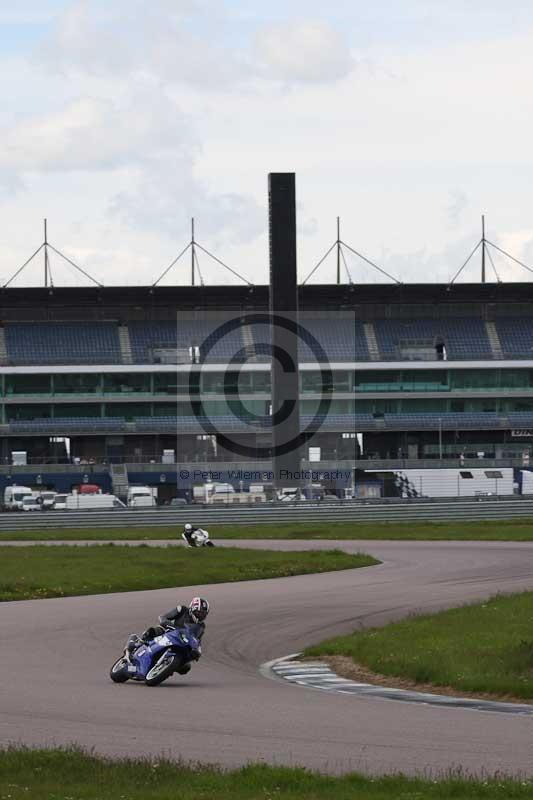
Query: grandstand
{"x":98,"y":376}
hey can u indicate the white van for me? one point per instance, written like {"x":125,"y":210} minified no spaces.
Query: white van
{"x":14,"y":495}
{"x":46,"y":499}
{"x":142,"y":496}
{"x":31,"y":503}
{"x":60,"y":502}
{"x":83,"y":502}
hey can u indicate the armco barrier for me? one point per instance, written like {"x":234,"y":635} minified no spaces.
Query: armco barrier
{"x":471,"y":509}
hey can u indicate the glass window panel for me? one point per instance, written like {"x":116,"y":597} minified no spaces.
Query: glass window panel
{"x":473,"y":379}
{"x":27,"y":411}
{"x":424,"y":380}
{"x":377,"y":381}
{"x":127,"y":410}
{"x":128,"y":383}
{"x":342,"y":381}
{"x":73,"y":383}
{"x":171,"y":409}
{"x":261,"y":382}
{"x":213,"y":382}
{"x":216,"y":408}
{"x":182,"y":409}
{"x":28,"y":384}
{"x":520,"y":404}
{"x":423,"y":405}
{"x":171,"y":383}
{"x":76,"y":410}
{"x":311,"y":383}
{"x":516,"y":379}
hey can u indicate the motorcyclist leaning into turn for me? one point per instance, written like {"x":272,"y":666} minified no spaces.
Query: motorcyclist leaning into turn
{"x":193,"y":614}
{"x":188,"y":534}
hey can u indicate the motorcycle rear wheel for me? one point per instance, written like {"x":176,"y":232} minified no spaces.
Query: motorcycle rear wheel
{"x":162,"y":669}
{"x":119,"y":671}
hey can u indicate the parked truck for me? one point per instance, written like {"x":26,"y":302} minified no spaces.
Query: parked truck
{"x":142,"y":496}
{"x":224,"y":493}
{"x":14,"y":495}
{"x":79,"y":502}
{"x":46,"y":499}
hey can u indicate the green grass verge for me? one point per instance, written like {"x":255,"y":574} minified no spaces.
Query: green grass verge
{"x":72,"y":774}
{"x":519,"y":531}
{"x":41,"y":571}
{"x":485,"y":648}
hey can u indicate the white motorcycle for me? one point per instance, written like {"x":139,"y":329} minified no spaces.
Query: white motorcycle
{"x":200,"y":539}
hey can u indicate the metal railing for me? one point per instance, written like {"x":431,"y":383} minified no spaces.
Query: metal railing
{"x":354,"y":511}
{"x":385,"y":464}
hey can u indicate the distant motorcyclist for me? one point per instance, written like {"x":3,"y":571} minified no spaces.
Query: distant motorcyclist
{"x":193,"y":614}
{"x":188,"y":534}
{"x":196,"y":537}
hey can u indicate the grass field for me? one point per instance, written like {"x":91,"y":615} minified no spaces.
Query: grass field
{"x":519,"y":531}
{"x":40,"y":571}
{"x":73,"y":775}
{"x":485,"y":648}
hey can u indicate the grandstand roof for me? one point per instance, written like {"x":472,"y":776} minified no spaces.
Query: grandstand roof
{"x":141,"y":302}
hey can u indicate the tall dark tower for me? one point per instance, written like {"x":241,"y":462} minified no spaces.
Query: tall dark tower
{"x":284,"y":312}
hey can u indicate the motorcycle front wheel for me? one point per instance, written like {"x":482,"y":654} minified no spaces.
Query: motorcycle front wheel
{"x":162,"y":669}
{"x":119,"y":671}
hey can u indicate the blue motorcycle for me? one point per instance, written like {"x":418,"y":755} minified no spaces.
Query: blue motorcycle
{"x":155,"y":661}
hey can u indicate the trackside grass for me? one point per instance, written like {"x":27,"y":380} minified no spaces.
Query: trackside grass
{"x":40,"y":571}
{"x":61,"y":774}
{"x":485,"y":648}
{"x":505,"y":530}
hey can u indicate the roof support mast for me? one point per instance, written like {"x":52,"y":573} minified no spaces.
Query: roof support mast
{"x":46,"y":246}
{"x":46,"y":264}
{"x":338,"y":251}
{"x":195,"y":246}
{"x":338,"y":246}
{"x":483,"y":249}
{"x":193,"y":253}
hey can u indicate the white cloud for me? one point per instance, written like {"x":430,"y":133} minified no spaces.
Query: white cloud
{"x":31,"y":12}
{"x":147,"y":144}
{"x":131,"y":39}
{"x":96,"y":134}
{"x":166,"y":194}
{"x":458,"y":203}
{"x":307,"y":52}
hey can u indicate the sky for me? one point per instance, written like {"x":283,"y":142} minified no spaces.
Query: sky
{"x":121,"y":120}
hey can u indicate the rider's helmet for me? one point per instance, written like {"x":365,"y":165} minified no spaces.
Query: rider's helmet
{"x":198,"y":609}
{"x":188,"y":527}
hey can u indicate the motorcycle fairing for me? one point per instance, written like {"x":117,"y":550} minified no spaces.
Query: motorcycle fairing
{"x":144,"y":658}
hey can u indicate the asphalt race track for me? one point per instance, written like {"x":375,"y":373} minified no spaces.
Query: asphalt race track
{"x":56,"y":654}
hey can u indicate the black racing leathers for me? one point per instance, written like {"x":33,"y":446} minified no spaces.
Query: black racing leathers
{"x":175,"y":618}
{"x":188,"y":536}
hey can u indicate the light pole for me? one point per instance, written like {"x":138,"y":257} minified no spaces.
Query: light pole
{"x":440,"y":438}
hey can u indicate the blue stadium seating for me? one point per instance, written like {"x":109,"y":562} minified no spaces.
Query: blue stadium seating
{"x":215,"y":347}
{"x":463,"y":338}
{"x":144,"y":336}
{"x":343,"y":340}
{"x":68,"y":424}
{"x":521,"y":419}
{"x":446,"y":421}
{"x":229,"y":423}
{"x":516,"y":337}
{"x":62,"y":343}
